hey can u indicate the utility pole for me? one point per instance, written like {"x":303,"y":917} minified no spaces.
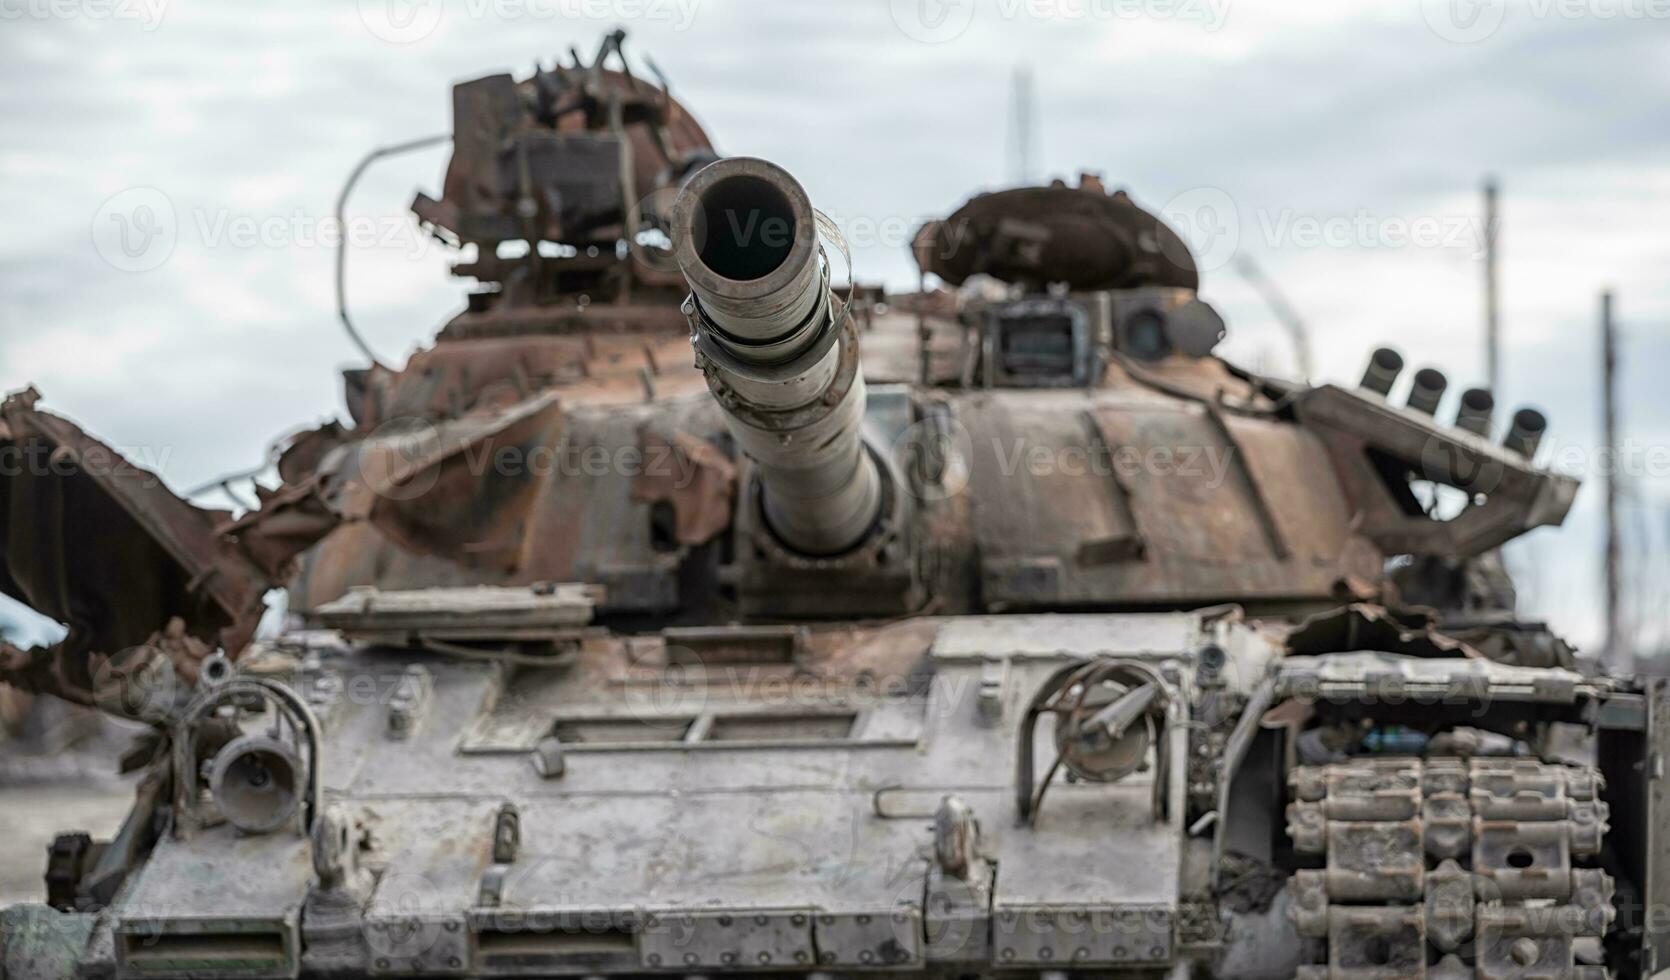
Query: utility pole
{"x":1613,"y":654}
{"x":1492,"y":320}
{"x":1020,"y":122}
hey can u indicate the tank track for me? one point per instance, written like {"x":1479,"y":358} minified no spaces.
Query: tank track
{"x":1450,"y":868}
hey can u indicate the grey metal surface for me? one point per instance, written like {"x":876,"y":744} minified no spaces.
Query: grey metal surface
{"x":704,"y":841}
{"x":236,"y":897}
{"x":39,"y":941}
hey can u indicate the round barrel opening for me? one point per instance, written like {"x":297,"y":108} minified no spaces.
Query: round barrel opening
{"x":745,"y":226}
{"x":1530,"y":422}
{"x":1478,"y":400}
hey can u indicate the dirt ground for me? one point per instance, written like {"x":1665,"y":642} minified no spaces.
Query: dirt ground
{"x":57,"y":774}
{"x":32,"y":814}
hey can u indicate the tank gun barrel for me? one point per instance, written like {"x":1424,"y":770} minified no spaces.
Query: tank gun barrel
{"x":777,"y":350}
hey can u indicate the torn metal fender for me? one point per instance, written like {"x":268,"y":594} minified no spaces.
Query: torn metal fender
{"x":136,"y":573}
{"x":455,"y":487}
{"x":1411,"y":632}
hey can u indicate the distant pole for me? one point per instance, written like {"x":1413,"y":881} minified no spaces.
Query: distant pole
{"x":1613,"y":653}
{"x":1021,"y":121}
{"x":1492,"y":313}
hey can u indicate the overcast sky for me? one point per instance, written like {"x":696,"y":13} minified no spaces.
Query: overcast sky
{"x":1341,"y":146}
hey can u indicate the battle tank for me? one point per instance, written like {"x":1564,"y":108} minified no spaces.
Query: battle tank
{"x":992,"y":630}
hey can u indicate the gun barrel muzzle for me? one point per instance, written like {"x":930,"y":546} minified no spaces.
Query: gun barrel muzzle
{"x":1525,"y":435}
{"x":1474,"y":412}
{"x":1428,"y":390}
{"x":776,"y":352}
{"x":1384,"y":365}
